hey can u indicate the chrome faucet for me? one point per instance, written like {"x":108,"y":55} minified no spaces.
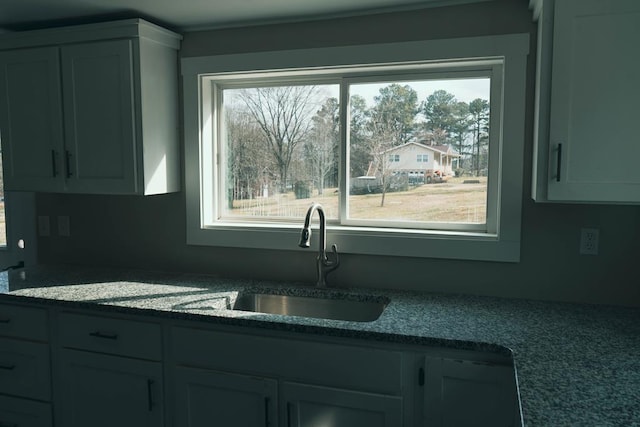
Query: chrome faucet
{"x":323,"y":263}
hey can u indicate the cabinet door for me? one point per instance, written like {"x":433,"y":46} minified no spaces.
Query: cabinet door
{"x":31,"y":119}
{"x":25,"y":369}
{"x":461,"y":393}
{"x":99,"y":117}
{"x":107,"y":391}
{"x":313,"y":406}
{"x":595,"y":89}
{"x":205,"y":398}
{"x":24,"y":413}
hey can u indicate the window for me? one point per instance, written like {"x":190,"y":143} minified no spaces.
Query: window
{"x":273,"y":133}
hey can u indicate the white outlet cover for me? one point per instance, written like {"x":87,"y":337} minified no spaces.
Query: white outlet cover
{"x":589,"y":241}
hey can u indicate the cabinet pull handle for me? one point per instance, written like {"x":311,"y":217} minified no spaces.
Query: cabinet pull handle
{"x":7,"y":367}
{"x":68,"y":163}
{"x":421,"y":377}
{"x":104,"y":335}
{"x":5,"y":320}
{"x":559,"y":164}
{"x":54,"y":168}
{"x":3,"y":424}
{"x":149,"y":395}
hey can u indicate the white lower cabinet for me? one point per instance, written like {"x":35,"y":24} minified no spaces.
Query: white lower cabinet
{"x":251,"y":401}
{"x":308,"y":405}
{"x":142,"y":371}
{"x":466,"y":393}
{"x":230,"y":399}
{"x":25,"y":367}
{"x":16,"y":412}
{"x":284,"y":381}
{"x":105,"y":391}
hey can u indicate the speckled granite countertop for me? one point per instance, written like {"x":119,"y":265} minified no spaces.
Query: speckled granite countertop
{"x":577,"y":365}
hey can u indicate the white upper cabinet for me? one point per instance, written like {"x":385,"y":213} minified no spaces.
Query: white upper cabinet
{"x":95,"y":111}
{"x":31,"y":118}
{"x":587,"y":143}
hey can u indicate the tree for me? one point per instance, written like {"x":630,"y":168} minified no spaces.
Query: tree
{"x":396,"y":107}
{"x":284,"y":116}
{"x":321,"y":148}
{"x":391,"y":124}
{"x":479,"y":110}
{"x":246,"y":153}
{"x":460,"y":131}
{"x":380,"y":142}
{"x":360,"y":152}
{"x":439,"y":110}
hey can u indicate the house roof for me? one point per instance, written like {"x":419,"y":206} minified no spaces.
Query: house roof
{"x":442,"y":149}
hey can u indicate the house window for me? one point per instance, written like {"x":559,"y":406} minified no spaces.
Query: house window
{"x":272,"y":137}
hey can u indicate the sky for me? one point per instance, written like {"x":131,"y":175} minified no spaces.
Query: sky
{"x":464,"y":90}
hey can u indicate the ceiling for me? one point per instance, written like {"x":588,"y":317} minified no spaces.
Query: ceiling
{"x":193,"y":15}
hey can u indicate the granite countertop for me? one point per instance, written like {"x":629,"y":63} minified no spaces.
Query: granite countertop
{"x":577,"y":365}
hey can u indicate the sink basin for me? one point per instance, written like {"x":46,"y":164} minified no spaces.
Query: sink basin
{"x":317,"y":307}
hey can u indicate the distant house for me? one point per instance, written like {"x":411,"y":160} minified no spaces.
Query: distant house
{"x":420,"y":162}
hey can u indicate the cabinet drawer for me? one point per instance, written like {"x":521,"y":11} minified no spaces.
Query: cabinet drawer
{"x":23,"y":322}
{"x":111,"y":336}
{"x":24,"y":413}
{"x":323,"y":363}
{"x":25,"y":369}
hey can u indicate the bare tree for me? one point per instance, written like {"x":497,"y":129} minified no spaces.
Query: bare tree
{"x":321,"y":148}
{"x":383,"y":137}
{"x":284,"y":115}
{"x":247,"y":156}
{"x":387,"y":130}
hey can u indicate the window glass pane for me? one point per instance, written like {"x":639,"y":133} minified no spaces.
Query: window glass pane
{"x":419,"y":151}
{"x":279,"y":150}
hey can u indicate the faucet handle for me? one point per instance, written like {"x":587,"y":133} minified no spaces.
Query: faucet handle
{"x":336,"y":259}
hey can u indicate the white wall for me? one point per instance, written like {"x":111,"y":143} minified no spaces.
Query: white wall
{"x":149,"y":232}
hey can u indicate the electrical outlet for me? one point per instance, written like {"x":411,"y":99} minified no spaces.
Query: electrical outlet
{"x":64,"y":228}
{"x":589,"y":241}
{"x":44,"y":226}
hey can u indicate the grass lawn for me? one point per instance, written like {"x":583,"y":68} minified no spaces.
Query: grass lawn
{"x":452,"y":201}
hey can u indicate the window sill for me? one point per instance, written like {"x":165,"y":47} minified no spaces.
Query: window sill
{"x":366,"y":241}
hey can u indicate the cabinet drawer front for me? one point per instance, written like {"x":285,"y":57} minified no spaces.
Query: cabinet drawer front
{"x":323,"y":363}
{"x":24,"y":413}
{"x":23,"y":322}
{"x":25,"y":369}
{"x":112,"y":336}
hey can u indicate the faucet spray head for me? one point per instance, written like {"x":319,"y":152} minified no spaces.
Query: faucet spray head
{"x":305,"y":238}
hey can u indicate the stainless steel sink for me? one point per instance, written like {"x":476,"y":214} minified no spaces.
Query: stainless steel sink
{"x":317,"y":307}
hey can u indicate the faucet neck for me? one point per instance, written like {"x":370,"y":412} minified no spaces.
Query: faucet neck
{"x":323,"y":232}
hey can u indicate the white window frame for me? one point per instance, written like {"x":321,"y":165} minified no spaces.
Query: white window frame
{"x":500,"y":244}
